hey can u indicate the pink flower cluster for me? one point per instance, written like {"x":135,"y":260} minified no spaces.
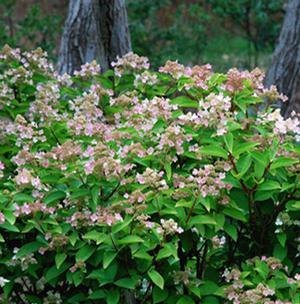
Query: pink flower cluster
{"x":26,"y":133}
{"x":2,"y":218}
{"x":146,"y":78}
{"x":237,"y":80}
{"x":103,"y":216}
{"x":37,"y":59}
{"x":198,"y":75}
{"x":130,"y":62}
{"x":237,"y":293}
{"x":174,"y":137}
{"x":206,"y":180}
{"x":10,"y":54}
{"x":32,"y":208}
{"x":24,"y":261}
{"x":68,"y":151}
{"x":144,"y":114}
{"x":134,"y":149}
{"x":173,"y":68}
{"x":78,"y":265}
{"x":272,"y":94}
{"x":144,"y":220}
{"x":25,"y":179}
{"x":214,"y":112}
{"x":169,"y":227}
{"x":124,"y":100}
{"x":56,"y":241}
{"x":281,"y":125}
{"x":89,"y":69}
{"x":6,"y":95}
{"x":152,"y":178}
{"x":136,"y":197}
{"x":43,"y":106}
{"x":2,"y":167}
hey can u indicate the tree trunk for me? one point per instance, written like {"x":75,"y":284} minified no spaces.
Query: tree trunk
{"x":285,"y":68}
{"x":94,"y":30}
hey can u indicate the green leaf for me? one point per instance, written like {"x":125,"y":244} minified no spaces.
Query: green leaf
{"x":210,"y":300}
{"x":143,"y":255}
{"x":231,"y":231}
{"x":280,"y":252}
{"x":283,"y":162}
{"x":202,"y":219}
{"x":128,"y":283}
{"x":84,"y":253}
{"x":168,"y":169}
{"x":53,"y":272}
{"x":163,"y":253}
{"x":113,"y":296}
{"x":185,"y":300}
{"x":213,"y":150}
{"x":54,"y":196}
{"x":294,"y":205}
{"x":94,"y":235}
{"x":80,"y":193}
{"x":77,"y":278}
{"x":281,"y":237}
{"x":130,"y":239}
{"x":184,"y":203}
{"x":184,"y":102}
{"x":108,"y":257}
{"x":59,"y":259}
{"x":243,"y":165}
{"x":78,"y":297}
{"x":228,"y":139}
{"x":156,"y":278}
{"x":258,"y":170}
{"x":208,"y":288}
{"x":159,"y":295}
{"x":95,"y":197}
{"x":269,"y":185}
{"x":261,"y":158}
{"x":220,"y":220}
{"x":262,"y":268}
{"x":29,"y":248}
{"x":74,"y":238}
{"x":263,"y":195}
{"x":22,"y":197}
{"x":9,"y":216}
{"x":235,"y":213}
{"x":9,"y":227}
{"x":168,"y":211}
{"x":240,"y":148}
{"x":120,"y":226}
{"x":98,"y":294}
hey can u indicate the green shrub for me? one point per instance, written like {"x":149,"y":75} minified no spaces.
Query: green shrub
{"x":158,"y":186}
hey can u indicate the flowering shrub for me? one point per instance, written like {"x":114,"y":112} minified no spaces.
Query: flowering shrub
{"x":260,"y":280}
{"x":145,"y":186}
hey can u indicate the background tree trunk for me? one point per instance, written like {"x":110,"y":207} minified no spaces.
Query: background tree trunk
{"x":94,"y":29}
{"x":285,"y":68}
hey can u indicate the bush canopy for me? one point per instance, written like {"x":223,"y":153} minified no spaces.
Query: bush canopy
{"x":173,"y":186}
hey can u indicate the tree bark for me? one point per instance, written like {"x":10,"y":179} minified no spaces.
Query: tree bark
{"x":285,"y":68}
{"x":94,"y":30}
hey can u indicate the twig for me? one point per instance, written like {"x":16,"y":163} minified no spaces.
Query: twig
{"x":53,"y":133}
{"x":203,"y":261}
{"x":191,"y":210}
{"x":112,"y":193}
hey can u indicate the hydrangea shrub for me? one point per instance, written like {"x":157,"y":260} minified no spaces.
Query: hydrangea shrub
{"x":172,"y":186}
